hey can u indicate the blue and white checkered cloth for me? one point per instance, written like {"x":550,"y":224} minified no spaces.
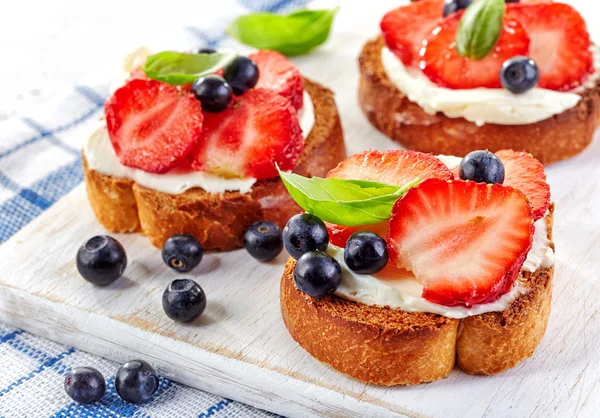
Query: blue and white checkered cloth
{"x":40,"y":162}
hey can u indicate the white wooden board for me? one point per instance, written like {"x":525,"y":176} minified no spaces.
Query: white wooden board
{"x":240,"y":348}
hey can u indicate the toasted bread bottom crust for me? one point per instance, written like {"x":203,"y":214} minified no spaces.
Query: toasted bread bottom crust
{"x":390,"y":347}
{"x":217,"y":220}
{"x":390,"y":111}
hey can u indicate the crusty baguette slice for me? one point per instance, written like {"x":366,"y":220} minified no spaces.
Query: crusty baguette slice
{"x":389,"y":347}
{"x":217,"y":220}
{"x":389,"y":110}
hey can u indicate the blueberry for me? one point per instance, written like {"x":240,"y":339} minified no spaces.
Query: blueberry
{"x":241,"y":74}
{"x":206,"y":51}
{"x":481,"y":167}
{"x":519,"y":74}
{"x":182,"y":252}
{"x":366,"y":253}
{"x":101,"y":260}
{"x":136,"y":381}
{"x":303,"y":233}
{"x":85,"y":385}
{"x":453,"y":6}
{"x":512,"y":1}
{"x":263,"y":240}
{"x":213,"y":92}
{"x":317,"y":274}
{"x":184,"y":300}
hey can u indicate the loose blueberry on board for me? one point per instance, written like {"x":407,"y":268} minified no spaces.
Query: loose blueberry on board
{"x":241,"y":74}
{"x":453,"y":6}
{"x":182,"y":252}
{"x":263,"y":240}
{"x":136,"y":381}
{"x":85,"y":385}
{"x":213,"y":92}
{"x":101,"y":260}
{"x":206,"y":51}
{"x":317,"y":274}
{"x":519,"y":74}
{"x":303,"y":233}
{"x":183,"y":300}
{"x":481,"y":167}
{"x":366,"y":253}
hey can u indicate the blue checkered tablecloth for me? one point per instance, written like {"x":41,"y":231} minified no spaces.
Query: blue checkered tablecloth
{"x":40,"y":162}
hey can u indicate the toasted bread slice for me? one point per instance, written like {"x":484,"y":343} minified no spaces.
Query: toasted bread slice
{"x":390,"y":111}
{"x":389,"y":347}
{"x":217,"y":220}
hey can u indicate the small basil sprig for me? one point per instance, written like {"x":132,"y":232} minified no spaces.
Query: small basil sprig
{"x":479,"y":29}
{"x":344,"y":202}
{"x":179,"y":68}
{"x":294,"y":34}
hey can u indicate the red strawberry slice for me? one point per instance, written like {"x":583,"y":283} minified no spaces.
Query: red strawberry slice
{"x":153,"y":126}
{"x":247,"y":139}
{"x":280,"y":75}
{"x":397,"y":167}
{"x":465,"y":242}
{"x":405,"y":28}
{"x":442,"y":64}
{"x":525,"y":173}
{"x":560,"y":43}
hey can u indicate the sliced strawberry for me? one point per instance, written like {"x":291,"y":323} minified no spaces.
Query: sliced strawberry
{"x":465,"y":242}
{"x":405,"y":28}
{"x":247,"y":139}
{"x":525,"y":173}
{"x":280,"y":75}
{"x":153,"y":126}
{"x":442,"y":64}
{"x":339,"y":234}
{"x":560,"y":43}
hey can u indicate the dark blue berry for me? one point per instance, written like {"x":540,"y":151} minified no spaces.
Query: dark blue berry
{"x":519,"y":74}
{"x":182,"y":252}
{"x":213,"y":92}
{"x":512,"y":1}
{"x":366,"y":253}
{"x":101,"y":260}
{"x":136,"y":381}
{"x":85,"y":385}
{"x":263,"y":240}
{"x":184,"y":300}
{"x":241,"y":74}
{"x":206,"y":51}
{"x":317,"y":274}
{"x":453,"y":6}
{"x":482,"y":167}
{"x":304,"y":233}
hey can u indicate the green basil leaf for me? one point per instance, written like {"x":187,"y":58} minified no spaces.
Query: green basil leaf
{"x":480,"y":28}
{"x":178,"y":68}
{"x":344,"y":202}
{"x":294,"y":34}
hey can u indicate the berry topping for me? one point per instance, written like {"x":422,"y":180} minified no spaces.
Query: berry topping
{"x":304,"y":233}
{"x":366,"y":253}
{"x":481,"y":167}
{"x":153,"y":126}
{"x":445,"y":67}
{"x":206,"y":51}
{"x":519,"y":74}
{"x":405,"y":28}
{"x":248,"y":138}
{"x":465,"y":242}
{"x":263,"y":240}
{"x":317,"y":274}
{"x":241,"y":74}
{"x":339,"y":234}
{"x":136,"y":381}
{"x":560,"y":43}
{"x":182,"y":252}
{"x":213,"y":92}
{"x":279,"y":75}
{"x":101,"y":260}
{"x":526,"y":174}
{"x":183,"y":300}
{"x":85,"y":385}
{"x":453,"y":6}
